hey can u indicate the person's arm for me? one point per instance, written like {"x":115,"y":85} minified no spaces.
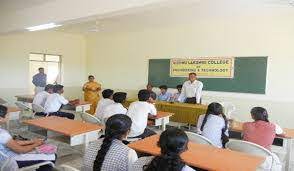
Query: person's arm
{"x":63,"y":100}
{"x":153,"y":110}
{"x":199,"y":123}
{"x":24,"y":143}
{"x":14,"y":146}
{"x":199,"y":92}
{"x":132,"y":157}
{"x":34,"y":81}
{"x":85,"y":87}
{"x":279,"y":130}
{"x":183,"y":94}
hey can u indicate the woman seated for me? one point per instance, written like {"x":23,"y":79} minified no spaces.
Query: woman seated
{"x":110,"y":153}
{"x":172,"y":142}
{"x":23,"y":152}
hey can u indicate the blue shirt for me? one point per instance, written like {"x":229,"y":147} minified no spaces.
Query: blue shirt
{"x":164,"y":97}
{"x":39,"y":80}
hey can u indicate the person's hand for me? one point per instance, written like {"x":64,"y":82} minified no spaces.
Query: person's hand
{"x":38,"y":141}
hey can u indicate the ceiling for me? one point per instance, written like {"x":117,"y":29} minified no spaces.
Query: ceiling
{"x":86,"y":16}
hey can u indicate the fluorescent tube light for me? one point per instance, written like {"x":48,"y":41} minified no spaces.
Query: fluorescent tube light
{"x":43,"y":27}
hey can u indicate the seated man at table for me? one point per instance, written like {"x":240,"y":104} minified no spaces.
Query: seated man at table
{"x":116,"y":107}
{"x":139,"y":112}
{"x":175,"y":97}
{"x":152,"y":94}
{"x":164,"y":95}
{"x":107,"y":95}
{"x":41,"y":97}
{"x":54,"y":103}
{"x":23,"y":152}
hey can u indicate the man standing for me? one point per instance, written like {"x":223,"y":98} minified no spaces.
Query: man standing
{"x":40,"y":81}
{"x":192,"y":90}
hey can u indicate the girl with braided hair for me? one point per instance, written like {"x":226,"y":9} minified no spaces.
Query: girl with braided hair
{"x":110,"y":153}
{"x":172,"y":143}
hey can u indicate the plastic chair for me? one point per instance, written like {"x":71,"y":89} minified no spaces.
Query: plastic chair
{"x":229,"y":108}
{"x":271,"y":163}
{"x":67,"y":168}
{"x":91,"y":119}
{"x":10,"y":164}
{"x":198,"y":139}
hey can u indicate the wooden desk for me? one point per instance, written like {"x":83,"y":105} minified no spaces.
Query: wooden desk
{"x":204,"y":156}
{"x":25,"y":98}
{"x":161,"y":119}
{"x":183,"y":112}
{"x":78,"y":132}
{"x":287,"y":137}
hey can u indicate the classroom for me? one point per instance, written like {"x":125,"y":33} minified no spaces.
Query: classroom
{"x":214,"y":73}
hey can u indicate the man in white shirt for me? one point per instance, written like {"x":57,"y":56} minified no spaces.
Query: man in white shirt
{"x":192,"y":90}
{"x":41,"y":97}
{"x":107,"y":95}
{"x":139,"y":112}
{"x":54,"y":103}
{"x":116,"y":107}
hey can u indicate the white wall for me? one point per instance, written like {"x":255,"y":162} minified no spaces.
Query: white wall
{"x":14,"y":60}
{"x":120,"y":59}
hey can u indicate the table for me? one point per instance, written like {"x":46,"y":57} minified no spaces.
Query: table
{"x":82,"y":106}
{"x":78,"y":132}
{"x":183,"y":112}
{"x":287,"y":137}
{"x":204,"y":156}
{"x":161,"y":119}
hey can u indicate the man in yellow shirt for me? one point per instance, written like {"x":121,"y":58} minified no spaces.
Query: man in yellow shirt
{"x":91,"y":93}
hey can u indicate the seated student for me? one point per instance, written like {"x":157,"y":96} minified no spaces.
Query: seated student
{"x":21,"y":151}
{"x":149,"y":87}
{"x":261,"y":131}
{"x":117,"y":107}
{"x":41,"y":97}
{"x":54,"y":103}
{"x":110,"y":153}
{"x":164,"y":95}
{"x":176,"y":96}
{"x":172,"y":142}
{"x":107,"y":95}
{"x":139,"y":112}
{"x":214,"y":125}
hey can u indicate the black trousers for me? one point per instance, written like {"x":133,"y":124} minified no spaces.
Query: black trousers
{"x":147,"y":133}
{"x":191,"y":100}
{"x":59,"y":114}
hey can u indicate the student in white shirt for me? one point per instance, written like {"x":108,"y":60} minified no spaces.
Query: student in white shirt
{"x":172,"y":142}
{"x":21,"y":151}
{"x":139,"y":112}
{"x":176,"y":96}
{"x":192,"y":90}
{"x":41,"y":97}
{"x":110,"y":153}
{"x":164,"y":95}
{"x":54,"y":103}
{"x":107,"y":95}
{"x":214,"y":125}
{"x":117,"y":107}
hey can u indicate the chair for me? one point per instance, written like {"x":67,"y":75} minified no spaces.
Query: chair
{"x":9,"y":164}
{"x":26,"y":111}
{"x":67,"y":168}
{"x":38,"y":109}
{"x":229,"y":108}
{"x":3,"y":102}
{"x":198,"y":139}
{"x":271,"y":163}
{"x":91,"y":119}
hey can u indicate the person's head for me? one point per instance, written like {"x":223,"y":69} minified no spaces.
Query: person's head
{"x":49,"y":88}
{"x":144,"y":95}
{"x":58,"y":89}
{"x":172,"y":143}
{"x":3,"y":112}
{"x":216,"y":109}
{"x":117,"y":128}
{"x":119,"y":97}
{"x":41,"y":70}
{"x":259,"y":114}
{"x":149,"y":87}
{"x":107,"y":93}
{"x":91,"y":78}
{"x":163,"y":89}
{"x":179,"y":88}
{"x":192,"y":76}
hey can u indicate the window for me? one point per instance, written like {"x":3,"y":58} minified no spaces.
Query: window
{"x":50,"y":63}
